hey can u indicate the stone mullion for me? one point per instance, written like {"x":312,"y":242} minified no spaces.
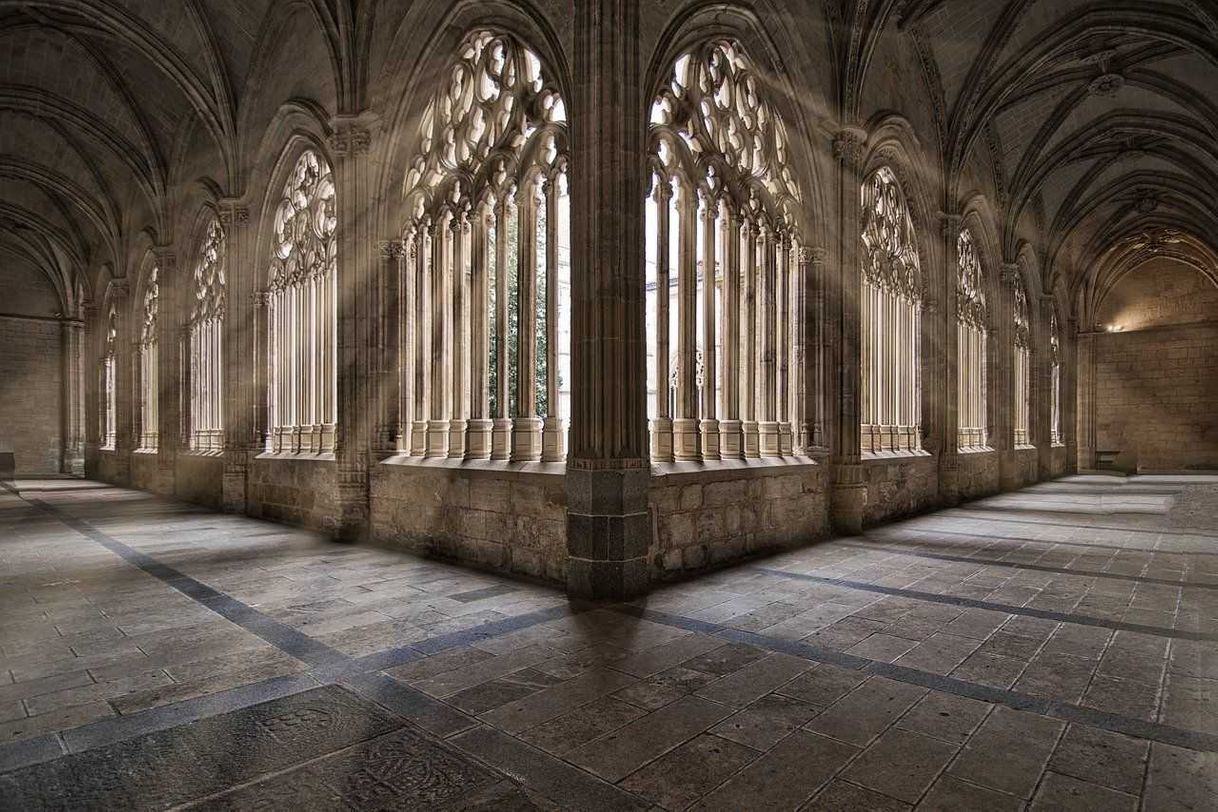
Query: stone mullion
{"x":767,"y":331}
{"x":388,"y":348}
{"x":685,"y":423}
{"x":459,"y":402}
{"x":526,"y":427}
{"x":1083,"y":384}
{"x":123,"y":382}
{"x":732,"y":444}
{"x":1042,"y":388}
{"x":479,"y":433}
{"x":552,"y":426}
{"x":811,"y":315}
{"x":1003,"y":397}
{"x":608,"y":524}
{"x":232,"y":370}
{"x":661,"y":427}
{"x":501,"y":431}
{"x":89,"y":350}
{"x":944,"y":400}
{"x":260,"y":373}
{"x":437,"y":424}
{"x":785,"y":343}
{"x":71,"y":455}
{"x":170,"y":318}
{"x":421,"y":395}
{"x":709,"y":425}
{"x":848,"y":495}
{"x":748,"y":343}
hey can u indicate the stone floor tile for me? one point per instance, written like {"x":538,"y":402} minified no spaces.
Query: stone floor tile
{"x":54,"y":720}
{"x":651,"y":694}
{"x":451,"y":682}
{"x":939,"y":653}
{"x":867,"y":711}
{"x":1101,"y":757}
{"x":617,"y":754}
{"x":945,"y":716}
{"x":765,"y":721}
{"x":449,"y":660}
{"x":988,"y":669}
{"x":845,"y":633}
{"x":1056,"y":676}
{"x":682,"y":776}
{"x":1008,"y":752}
{"x":841,"y":796}
{"x":664,"y":656}
{"x":783,"y":778}
{"x":900,"y":764}
{"x":1014,"y":646}
{"x":882,"y":647}
{"x":1137,"y":700}
{"x":755,"y":680}
{"x":571,"y":730}
{"x":1191,"y":702}
{"x":823,"y":685}
{"x":489,"y":695}
{"x":950,"y":794}
{"x":547,"y":704}
{"x":1180,"y":779}
{"x":725,"y":659}
{"x":1064,"y":792}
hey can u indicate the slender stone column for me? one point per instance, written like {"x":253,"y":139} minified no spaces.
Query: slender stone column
{"x":782,"y":296}
{"x":460,"y":331}
{"x":1001,"y":394}
{"x":170,"y":319}
{"x":943,"y":329}
{"x":357,"y":276}
{"x":661,"y":426}
{"x":91,"y":395}
{"x":709,"y":425}
{"x":501,"y":430}
{"x":767,"y":428}
{"x":608,"y":526}
{"x":441,"y":308}
{"x":125,"y":383}
{"x":552,"y":427}
{"x":72,"y":459}
{"x":848,"y":496}
{"x":812,"y":317}
{"x":685,"y":426}
{"x":1082,"y":376}
{"x":526,"y":427}
{"x":478,"y":445}
{"x":420,"y":399}
{"x":388,"y":347}
{"x":749,"y":374}
{"x":731,"y":428}
{"x":1042,"y":388}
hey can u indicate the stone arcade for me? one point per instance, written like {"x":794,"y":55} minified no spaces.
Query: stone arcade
{"x":601,"y":403}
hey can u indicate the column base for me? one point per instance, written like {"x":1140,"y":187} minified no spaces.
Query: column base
{"x":685,"y":445}
{"x":552,"y":440}
{"x":752,"y":439}
{"x":731,"y":440}
{"x":501,"y":439}
{"x":661,"y":439}
{"x":418,"y":438}
{"x":848,"y":498}
{"x":768,"y":442}
{"x":608,"y":532}
{"x":456,"y":439}
{"x":786,"y":440}
{"x":526,"y":439}
{"x":710,"y":439}
{"x":478,"y":439}
{"x":437,"y":438}
{"x":233,"y":482}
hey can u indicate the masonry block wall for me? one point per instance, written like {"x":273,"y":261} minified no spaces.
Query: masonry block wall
{"x":1156,"y":395}
{"x":31,"y":387}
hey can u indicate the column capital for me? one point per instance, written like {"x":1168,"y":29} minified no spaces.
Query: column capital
{"x":118,"y":288}
{"x":353,"y":134}
{"x":816,"y":256}
{"x":1009,"y":274}
{"x":390,"y":250}
{"x":848,"y":144}
{"x":949,"y":224}
{"x":233,"y":211}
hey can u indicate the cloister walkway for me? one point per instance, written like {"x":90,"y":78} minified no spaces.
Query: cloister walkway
{"x":1055,"y":647}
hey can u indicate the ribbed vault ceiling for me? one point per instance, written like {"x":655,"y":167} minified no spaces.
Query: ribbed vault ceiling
{"x":1098,"y":120}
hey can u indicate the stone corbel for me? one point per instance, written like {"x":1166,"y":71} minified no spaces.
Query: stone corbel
{"x":1009,"y":275}
{"x":848,"y":146}
{"x":352,"y":135}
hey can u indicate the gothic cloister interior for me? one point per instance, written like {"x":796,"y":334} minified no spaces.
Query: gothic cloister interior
{"x":598,"y":404}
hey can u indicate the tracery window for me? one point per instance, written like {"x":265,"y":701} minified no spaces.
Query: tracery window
{"x":891,"y":305}
{"x":722,"y":214}
{"x":972,"y":315}
{"x":1023,"y":363}
{"x":149,"y":373}
{"x":1055,"y":381}
{"x":302,"y":300}
{"x":205,"y":331}
{"x":487,"y":358}
{"x":109,"y":410}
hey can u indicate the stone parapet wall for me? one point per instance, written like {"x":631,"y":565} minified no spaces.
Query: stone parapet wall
{"x":296,"y":490}
{"x":145,"y":471}
{"x":487,"y":515}
{"x":198,"y":478}
{"x":704,"y":518}
{"x":979,"y":473}
{"x":31,"y":385}
{"x":899,"y":486}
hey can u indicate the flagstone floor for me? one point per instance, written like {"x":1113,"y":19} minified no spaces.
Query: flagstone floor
{"x":1055,"y":648}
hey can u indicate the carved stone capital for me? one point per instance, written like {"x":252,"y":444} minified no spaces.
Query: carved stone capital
{"x":1009,"y":274}
{"x":352,"y":135}
{"x":848,"y":145}
{"x":260,"y":298}
{"x":949,"y":225}
{"x":233,"y":212}
{"x":812,"y":255}
{"x":390,"y":249}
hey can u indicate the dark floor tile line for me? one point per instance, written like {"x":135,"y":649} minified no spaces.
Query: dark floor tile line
{"x":992,"y":562}
{"x":1153,"y":731}
{"x":282,"y":636}
{"x":974,"y":603}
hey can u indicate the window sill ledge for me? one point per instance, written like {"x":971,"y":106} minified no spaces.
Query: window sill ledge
{"x":894,"y":456}
{"x":146,"y":452}
{"x":976,"y":449}
{"x":1025,"y":447}
{"x":213,"y":453}
{"x":487,"y":467}
{"x":732,"y":467}
{"x":327,"y":456}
